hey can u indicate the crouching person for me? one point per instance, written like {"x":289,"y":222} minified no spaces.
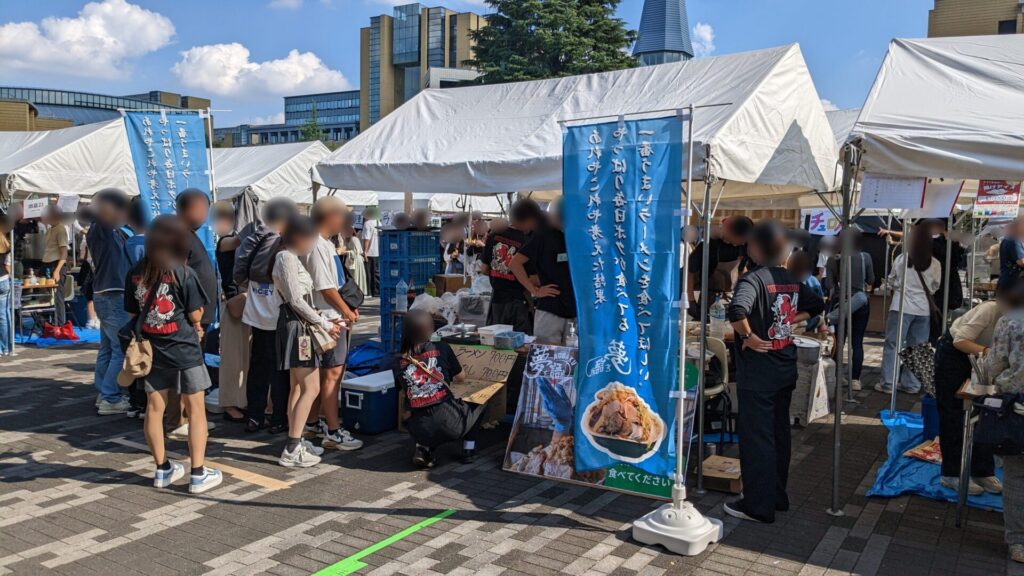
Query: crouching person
{"x":166,"y":303}
{"x":423,"y":372}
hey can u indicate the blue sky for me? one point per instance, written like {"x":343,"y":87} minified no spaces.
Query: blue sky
{"x":247,"y":54}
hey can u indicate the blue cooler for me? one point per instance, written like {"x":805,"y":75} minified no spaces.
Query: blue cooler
{"x":369,"y":404}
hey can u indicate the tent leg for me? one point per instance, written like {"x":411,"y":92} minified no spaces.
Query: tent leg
{"x":974,"y":261}
{"x":948,"y":274}
{"x":899,"y":318}
{"x":704,"y":309}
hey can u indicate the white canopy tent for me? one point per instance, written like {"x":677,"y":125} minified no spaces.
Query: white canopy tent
{"x":275,"y":171}
{"x":764,"y":125}
{"x":79,"y":160}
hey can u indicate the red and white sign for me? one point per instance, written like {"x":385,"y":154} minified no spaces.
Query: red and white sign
{"x":997,"y":199}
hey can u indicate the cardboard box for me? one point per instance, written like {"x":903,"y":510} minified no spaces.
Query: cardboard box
{"x":451,"y":282}
{"x":722,"y":474}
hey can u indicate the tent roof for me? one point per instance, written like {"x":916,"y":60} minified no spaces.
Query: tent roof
{"x":842,"y":122}
{"x":947,"y":107}
{"x":81,"y":160}
{"x":278,"y":170}
{"x":765,"y":125}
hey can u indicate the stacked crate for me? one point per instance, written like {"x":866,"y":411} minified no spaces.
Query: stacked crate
{"x":404,"y":255}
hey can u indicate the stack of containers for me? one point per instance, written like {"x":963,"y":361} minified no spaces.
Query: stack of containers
{"x":412,"y":256}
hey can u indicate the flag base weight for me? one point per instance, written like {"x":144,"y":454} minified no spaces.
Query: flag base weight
{"x":682,"y":530}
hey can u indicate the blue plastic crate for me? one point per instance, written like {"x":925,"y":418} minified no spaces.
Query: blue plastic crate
{"x":402,"y":244}
{"x":419,"y":269}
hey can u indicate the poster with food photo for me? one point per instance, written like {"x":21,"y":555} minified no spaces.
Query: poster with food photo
{"x":542,"y":442}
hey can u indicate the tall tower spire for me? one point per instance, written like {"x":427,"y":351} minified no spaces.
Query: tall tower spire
{"x":664,"y":34}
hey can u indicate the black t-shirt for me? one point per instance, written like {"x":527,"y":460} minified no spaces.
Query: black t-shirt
{"x":166,"y":325}
{"x":547,"y":253}
{"x":427,"y":387}
{"x":199,"y":261}
{"x":719,"y":252}
{"x":769,"y":298}
{"x":226,"y":267}
{"x":498,"y":253}
{"x":956,"y":288}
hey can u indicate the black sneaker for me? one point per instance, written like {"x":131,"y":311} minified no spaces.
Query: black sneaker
{"x":423,"y":458}
{"x":736,"y":509}
{"x":252,"y":426}
{"x":134,"y":412}
{"x":468,"y":456}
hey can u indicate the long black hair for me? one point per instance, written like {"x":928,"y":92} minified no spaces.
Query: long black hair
{"x":417,"y":328}
{"x":921,"y":249}
{"x":167,"y":248}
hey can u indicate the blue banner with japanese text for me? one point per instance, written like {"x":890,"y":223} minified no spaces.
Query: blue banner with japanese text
{"x":622,"y":185}
{"x":169,"y":152}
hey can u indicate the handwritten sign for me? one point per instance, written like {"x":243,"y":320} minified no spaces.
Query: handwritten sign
{"x":67,"y":203}
{"x":484,"y":364}
{"x":891,"y":192}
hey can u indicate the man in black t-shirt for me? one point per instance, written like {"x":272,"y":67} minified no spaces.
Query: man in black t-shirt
{"x":508,"y":299}
{"x":766,"y":304}
{"x":551,"y":286}
{"x":193,"y":207}
{"x":727,"y":261}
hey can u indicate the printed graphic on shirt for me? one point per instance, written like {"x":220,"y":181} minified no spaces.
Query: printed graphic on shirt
{"x":504,"y":250}
{"x":784,"y":311}
{"x":423,"y":388}
{"x":159,"y":317}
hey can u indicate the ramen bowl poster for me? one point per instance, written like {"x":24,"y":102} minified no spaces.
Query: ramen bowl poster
{"x":543,"y":440}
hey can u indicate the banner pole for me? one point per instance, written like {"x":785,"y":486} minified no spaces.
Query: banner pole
{"x":704,"y":309}
{"x":679,"y":490}
{"x":209,"y":155}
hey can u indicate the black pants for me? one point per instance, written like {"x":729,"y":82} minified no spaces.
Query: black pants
{"x":952,"y":367}
{"x":263,"y":376}
{"x":859,"y":326}
{"x":450,"y":420}
{"x":372,"y":277}
{"x":59,"y":307}
{"x":765,"y":445}
{"x":515,"y":313}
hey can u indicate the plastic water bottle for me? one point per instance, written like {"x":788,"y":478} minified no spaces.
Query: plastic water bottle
{"x":572,"y":339}
{"x":718,"y":321}
{"x":401,"y":299}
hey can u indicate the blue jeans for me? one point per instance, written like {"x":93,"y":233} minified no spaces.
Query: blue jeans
{"x":5,"y":316}
{"x":915,"y":331}
{"x":110,"y":359}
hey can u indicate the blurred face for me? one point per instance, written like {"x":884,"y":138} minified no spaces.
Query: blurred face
{"x":223,"y":225}
{"x":110,"y":214}
{"x":334,"y":223}
{"x":302,"y":245}
{"x":480,"y":227}
{"x":195,"y":212}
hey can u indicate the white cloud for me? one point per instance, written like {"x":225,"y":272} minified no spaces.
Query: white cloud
{"x":225,"y":70}
{"x":703,"y":39}
{"x":286,"y":4}
{"x":828,"y":105}
{"x":101,"y":41}
{"x":277,"y":118}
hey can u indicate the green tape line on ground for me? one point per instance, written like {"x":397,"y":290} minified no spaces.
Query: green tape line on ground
{"x":353,"y":562}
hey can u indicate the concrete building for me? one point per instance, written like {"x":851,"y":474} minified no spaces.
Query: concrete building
{"x":413,"y":48}
{"x":664,"y":34}
{"x":43,"y":109}
{"x":337,"y":113}
{"x":975,"y":18}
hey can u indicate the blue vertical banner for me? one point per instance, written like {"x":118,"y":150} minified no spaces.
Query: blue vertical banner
{"x":622,"y":183}
{"x":169,"y":152}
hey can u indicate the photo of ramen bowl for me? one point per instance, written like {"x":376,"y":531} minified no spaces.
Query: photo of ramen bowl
{"x":621,"y":424}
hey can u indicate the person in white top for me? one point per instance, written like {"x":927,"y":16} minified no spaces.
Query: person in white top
{"x":371,"y":248}
{"x":295,"y":348}
{"x":924,"y":277}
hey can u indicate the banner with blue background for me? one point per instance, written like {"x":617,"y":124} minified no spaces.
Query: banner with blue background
{"x":169,"y":152}
{"x":622,"y":184}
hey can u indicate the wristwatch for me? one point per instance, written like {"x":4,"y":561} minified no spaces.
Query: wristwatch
{"x":745,"y":336}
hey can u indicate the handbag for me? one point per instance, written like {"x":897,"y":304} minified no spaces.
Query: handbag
{"x":236,"y":305}
{"x":349,"y":290}
{"x":935,"y":327}
{"x":920,"y":360}
{"x":1000,"y":427}
{"x":322,"y":339}
{"x":138,"y":354}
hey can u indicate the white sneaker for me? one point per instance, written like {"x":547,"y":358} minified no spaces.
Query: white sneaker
{"x":342,"y":440}
{"x":310,"y":447}
{"x":953,"y":483}
{"x":299,"y":458}
{"x":105,"y":408}
{"x":93,"y":324}
{"x":99,"y":398}
{"x":164,"y":478}
{"x":990,"y":484}
{"x":181,"y":432}
{"x":855,"y":385}
{"x":209,"y":479}
{"x":310,"y":431}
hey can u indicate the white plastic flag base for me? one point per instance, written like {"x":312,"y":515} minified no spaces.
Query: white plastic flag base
{"x":682,"y":530}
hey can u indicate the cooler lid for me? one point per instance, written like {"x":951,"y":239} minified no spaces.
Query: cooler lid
{"x":377,"y":382}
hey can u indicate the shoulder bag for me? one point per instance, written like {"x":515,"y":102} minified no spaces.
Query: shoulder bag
{"x":935,"y":327}
{"x":322,"y":339}
{"x":349,"y":291}
{"x":138,"y":356}
{"x":1000,"y":426}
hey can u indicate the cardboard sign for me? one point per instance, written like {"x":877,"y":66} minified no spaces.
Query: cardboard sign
{"x":34,"y":208}
{"x":485,"y":364}
{"x":67,"y":203}
{"x":997,"y":199}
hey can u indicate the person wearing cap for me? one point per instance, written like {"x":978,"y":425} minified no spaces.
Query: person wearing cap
{"x":727,"y":260}
{"x":767,"y":303}
{"x":109,"y":256}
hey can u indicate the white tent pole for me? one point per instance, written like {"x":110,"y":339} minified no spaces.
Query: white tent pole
{"x":974,"y":260}
{"x":899,"y":318}
{"x":885,"y":267}
{"x":679,"y":488}
{"x":703,"y":303}
{"x":949,"y":272}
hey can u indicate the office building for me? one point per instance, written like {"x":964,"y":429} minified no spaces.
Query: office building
{"x":975,"y":18}
{"x":664,"y":34}
{"x":411,"y":49}
{"x":337,"y":114}
{"x":43,"y":109}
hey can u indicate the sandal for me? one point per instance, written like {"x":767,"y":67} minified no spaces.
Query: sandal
{"x":236,"y":419}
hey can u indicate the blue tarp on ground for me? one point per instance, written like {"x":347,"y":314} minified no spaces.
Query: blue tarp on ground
{"x":902,"y":475}
{"x":85,"y":336}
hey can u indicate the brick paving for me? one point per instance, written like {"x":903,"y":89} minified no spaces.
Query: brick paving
{"x":75,"y":498}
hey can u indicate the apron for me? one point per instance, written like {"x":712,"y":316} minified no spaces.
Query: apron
{"x":722,"y":280}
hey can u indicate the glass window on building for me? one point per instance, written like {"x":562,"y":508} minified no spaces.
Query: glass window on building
{"x":1008,"y":26}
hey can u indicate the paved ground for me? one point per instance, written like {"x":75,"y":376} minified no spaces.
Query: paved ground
{"x":76,"y":498}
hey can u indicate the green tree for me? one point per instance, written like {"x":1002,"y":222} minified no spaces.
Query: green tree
{"x":535,"y":39}
{"x":311,"y":130}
